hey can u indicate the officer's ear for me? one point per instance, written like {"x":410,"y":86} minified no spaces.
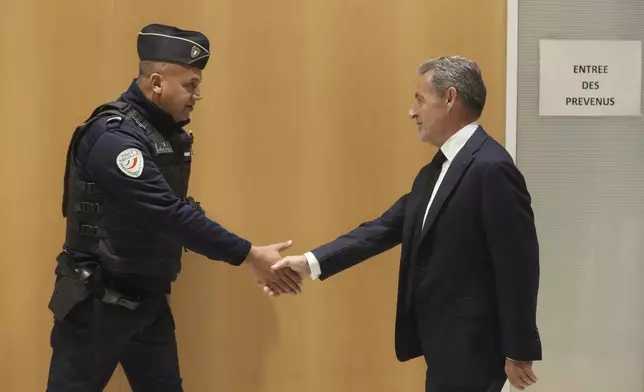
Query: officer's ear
{"x":156,"y":81}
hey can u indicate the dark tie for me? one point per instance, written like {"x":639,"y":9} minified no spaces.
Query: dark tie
{"x":435,"y":170}
{"x":436,"y":167}
{"x":438,"y":160}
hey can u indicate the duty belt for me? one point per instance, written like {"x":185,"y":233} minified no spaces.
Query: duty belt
{"x":90,"y":275}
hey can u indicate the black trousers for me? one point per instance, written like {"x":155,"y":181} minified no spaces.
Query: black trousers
{"x":432,"y":385}
{"x":496,"y":386}
{"x":95,"y":337}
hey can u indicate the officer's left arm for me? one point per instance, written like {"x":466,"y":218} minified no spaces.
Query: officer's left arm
{"x":122,"y":165}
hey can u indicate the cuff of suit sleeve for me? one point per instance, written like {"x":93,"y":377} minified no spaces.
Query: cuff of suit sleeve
{"x":314,"y":265}
{"x":241,"y":253}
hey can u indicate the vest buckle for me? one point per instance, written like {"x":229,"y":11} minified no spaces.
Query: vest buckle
{"x":88,"y":207}
{"x":88,"y":230}
{"x":90,"y":187}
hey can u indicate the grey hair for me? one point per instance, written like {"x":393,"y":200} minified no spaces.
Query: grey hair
{"x":462,"y":74}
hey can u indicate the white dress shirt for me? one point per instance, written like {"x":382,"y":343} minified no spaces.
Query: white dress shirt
{"x":451,"y":147}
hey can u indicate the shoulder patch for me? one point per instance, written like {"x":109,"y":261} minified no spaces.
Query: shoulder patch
{"x":130,"y":162}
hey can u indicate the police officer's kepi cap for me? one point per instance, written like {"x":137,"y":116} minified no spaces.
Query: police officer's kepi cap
{"x":159,"y":42}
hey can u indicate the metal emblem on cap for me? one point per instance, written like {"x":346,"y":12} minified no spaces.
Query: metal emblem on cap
{"x":194,"y":52}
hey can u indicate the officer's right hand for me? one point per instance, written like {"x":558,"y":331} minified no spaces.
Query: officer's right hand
{"x":260,"y":259}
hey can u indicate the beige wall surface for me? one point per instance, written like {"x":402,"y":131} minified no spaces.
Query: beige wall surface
{"x":302,"y":135}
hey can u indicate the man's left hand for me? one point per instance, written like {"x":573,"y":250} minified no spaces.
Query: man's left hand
{"x":520,"y":373}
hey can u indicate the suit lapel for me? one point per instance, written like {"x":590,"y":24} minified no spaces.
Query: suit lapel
{"x":416,"y":205}
{"x":452,"y":177}
{"x":457,"y":168}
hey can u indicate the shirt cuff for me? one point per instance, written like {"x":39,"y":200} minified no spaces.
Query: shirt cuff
{"x":314,"y":265}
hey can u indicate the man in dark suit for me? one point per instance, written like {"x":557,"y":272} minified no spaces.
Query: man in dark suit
{"x":469,"y":269}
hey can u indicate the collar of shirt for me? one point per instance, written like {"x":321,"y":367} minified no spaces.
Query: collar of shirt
{"x":454,"y":144}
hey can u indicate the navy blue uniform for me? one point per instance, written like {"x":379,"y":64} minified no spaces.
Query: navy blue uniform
{"x":95,"y":337}
{"x":149,"y":196}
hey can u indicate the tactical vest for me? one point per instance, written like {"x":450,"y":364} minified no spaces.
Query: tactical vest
{"x":99,"y":225}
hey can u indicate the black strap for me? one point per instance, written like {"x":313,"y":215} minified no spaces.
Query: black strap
{"x":119,"y":106}
{"x":115,"y":298}
{"x":115,"y":108}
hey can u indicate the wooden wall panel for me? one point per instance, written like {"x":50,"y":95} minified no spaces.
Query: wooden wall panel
{"x":302,"y":135}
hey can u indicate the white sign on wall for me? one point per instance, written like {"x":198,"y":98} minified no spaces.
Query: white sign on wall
{"x":590,"y":78}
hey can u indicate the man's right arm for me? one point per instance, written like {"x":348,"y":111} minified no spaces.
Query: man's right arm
{"x":148,"y":196}
{"x":365,"y":241}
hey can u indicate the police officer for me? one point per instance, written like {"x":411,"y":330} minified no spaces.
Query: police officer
{"x":129,"y":218}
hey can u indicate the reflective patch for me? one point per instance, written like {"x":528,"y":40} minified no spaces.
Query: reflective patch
{"x":163,"y":148}
{"x":130,"y":162}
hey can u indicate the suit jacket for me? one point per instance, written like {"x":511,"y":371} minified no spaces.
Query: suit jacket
{"x":468,"y":281}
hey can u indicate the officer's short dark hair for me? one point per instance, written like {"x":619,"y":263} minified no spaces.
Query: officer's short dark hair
{"x":146,"y":68}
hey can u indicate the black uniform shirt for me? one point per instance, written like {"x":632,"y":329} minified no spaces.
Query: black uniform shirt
{"x":148,"y":195}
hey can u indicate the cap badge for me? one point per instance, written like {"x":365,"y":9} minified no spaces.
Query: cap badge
{"x":194,"y":52}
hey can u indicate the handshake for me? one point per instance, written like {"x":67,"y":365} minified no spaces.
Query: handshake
{"x":277,"y":275}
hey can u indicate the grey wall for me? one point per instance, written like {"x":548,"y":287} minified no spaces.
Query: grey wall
{"x":586,"y":176}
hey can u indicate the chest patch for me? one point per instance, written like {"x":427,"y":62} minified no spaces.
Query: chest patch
{"x":130,"y":162}
{"x":163,"y":148}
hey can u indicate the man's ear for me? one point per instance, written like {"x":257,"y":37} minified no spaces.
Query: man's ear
{"x":156,"y":81}
{"x":451,"y":95}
